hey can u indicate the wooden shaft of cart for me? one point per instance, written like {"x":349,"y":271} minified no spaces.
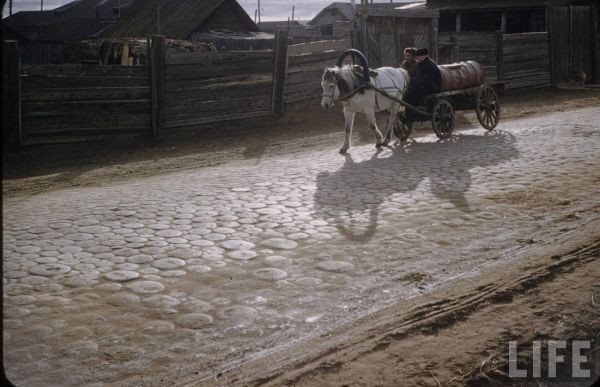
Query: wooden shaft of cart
{"x":406,"y":104}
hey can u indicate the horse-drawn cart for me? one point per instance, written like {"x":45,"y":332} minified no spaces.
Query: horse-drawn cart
{"x":442,"y":107}
{"x":360,"y":89}
{"x":463,"y":89}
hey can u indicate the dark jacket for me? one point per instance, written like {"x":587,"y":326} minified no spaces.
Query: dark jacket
{"x":428,"y":79}
{"x":410,"y":67}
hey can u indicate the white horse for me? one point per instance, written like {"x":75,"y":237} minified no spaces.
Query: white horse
{"x":341,"y":81}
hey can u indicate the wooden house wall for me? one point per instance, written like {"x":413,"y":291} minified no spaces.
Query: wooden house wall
{"x":526,"y":60}
{"x":581,"y":27}
{"x":387,"y":37}
{"x":329,"y":16}
{"x":40,"y":52}
{"x":211,"y":87}
{"x":69,"y":102}
{"x":574,"y":42}
{"x":306,"y":63}
{"x":478,"y":46}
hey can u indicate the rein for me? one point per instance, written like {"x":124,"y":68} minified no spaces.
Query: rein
{"x":347,"y":96}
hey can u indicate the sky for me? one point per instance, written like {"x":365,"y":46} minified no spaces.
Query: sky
{"x":271,"y":9}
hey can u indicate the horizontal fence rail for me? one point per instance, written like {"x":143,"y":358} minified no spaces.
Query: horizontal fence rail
{"x":211,"y":87}
{"x":61,"y":103}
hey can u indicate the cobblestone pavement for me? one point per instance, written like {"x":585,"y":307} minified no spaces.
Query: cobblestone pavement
{"x":213,"y":266}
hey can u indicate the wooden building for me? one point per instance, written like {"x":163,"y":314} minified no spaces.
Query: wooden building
{"x":335,"y":19}
{"x":518,"y":42}
{"x":558,"y":38}
{"x":180,"y":19}
{"x":213,"y":21}
{"x":382,"y":33}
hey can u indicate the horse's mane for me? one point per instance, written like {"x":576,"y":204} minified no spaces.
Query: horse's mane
{"x":343,"y":75}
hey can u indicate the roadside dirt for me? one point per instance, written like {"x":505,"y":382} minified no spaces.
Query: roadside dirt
{"x":460,"y":336}
{"x":36,"y":169}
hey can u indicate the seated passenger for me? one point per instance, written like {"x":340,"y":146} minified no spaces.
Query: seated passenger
{"x":409,"y":64}
{"x":428,"y":80}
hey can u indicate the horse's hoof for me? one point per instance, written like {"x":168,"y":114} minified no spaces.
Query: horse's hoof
{"x":378,"y":145}
{"x":343,"y":151}
{"x":386,"y":143}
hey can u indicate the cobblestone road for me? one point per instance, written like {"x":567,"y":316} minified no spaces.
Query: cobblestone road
{"x":216,"y":265}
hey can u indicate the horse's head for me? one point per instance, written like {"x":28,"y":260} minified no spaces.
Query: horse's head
{"x":330,"y":90}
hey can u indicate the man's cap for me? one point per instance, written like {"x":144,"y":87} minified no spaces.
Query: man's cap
{"x":422,"y":51}
{"x":411,"y":50}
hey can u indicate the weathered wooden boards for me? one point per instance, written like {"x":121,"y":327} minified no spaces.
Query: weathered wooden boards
{"x":526,"y":60}
{"x":62,"y":103}
{"x":11,"y":98}
{"x":279,"y":73}
{"x":520,"y":60}
{"x":211,"y":87}
{"x":477,"y":46}
{"x":303,"y":81}
{"x":157,"y":65}
{"x":316,"y":47}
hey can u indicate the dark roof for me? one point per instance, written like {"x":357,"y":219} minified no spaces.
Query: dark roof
{"x":345,"y":9}
{"x":79,"y":19}
{"x":84,"y":19}
{"x":82,"y":9}
{"x":178,"y":18}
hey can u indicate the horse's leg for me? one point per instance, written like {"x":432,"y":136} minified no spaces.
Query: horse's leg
{"x":390,"y":122}
{"x":373,"y":125}
{"x":349,"y":122}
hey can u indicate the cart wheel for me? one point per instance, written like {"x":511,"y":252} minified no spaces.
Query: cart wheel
{"x":442,"y":119}
{"x":401,"y":130}
{"x":487,"y":108}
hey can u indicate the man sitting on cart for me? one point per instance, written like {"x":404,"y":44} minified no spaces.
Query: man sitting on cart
{"x":410,"y":64}
{"x":428,"y":80}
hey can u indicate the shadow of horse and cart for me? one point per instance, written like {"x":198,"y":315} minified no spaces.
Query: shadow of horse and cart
{"x":351,"y":197}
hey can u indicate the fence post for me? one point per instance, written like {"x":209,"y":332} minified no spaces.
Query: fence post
{"x":157,"y":79}
{"x":11,"y":95}
{"x":500,"y":55}
{"x":279,"y":70}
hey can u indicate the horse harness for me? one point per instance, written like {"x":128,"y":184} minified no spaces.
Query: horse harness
{"x":359,"y":86}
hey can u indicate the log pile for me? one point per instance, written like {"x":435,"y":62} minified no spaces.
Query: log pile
{"x":122,"y":51}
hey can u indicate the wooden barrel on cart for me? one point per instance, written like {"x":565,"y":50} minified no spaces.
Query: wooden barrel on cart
{"x":461,"y":75}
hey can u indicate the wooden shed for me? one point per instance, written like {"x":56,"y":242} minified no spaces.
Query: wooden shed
{"x":528,"y":41}
{"x":335,"y":19}
{"x":180,"y":19}
{"x":382,"y":33}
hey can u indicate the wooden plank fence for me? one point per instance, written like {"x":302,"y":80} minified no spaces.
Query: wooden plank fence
{"x":306,"y":63}
{"x":519,"y":60}
{"x":211,"y":87}
{"x":526,"y":60}
{"x":65,"y":103}
{"x":61,"y":103}
{"x":478,"y":46}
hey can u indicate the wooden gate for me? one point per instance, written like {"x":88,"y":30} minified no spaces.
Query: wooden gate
{"x":573,"y":44}
{"x":383,"y":34}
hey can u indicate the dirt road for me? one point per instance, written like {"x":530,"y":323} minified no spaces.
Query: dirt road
{"x":42,"y":168}
{"x":412,"y":265}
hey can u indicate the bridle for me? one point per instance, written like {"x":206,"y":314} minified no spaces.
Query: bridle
{"x":331,"y":96}
{"x":344,"y":98}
